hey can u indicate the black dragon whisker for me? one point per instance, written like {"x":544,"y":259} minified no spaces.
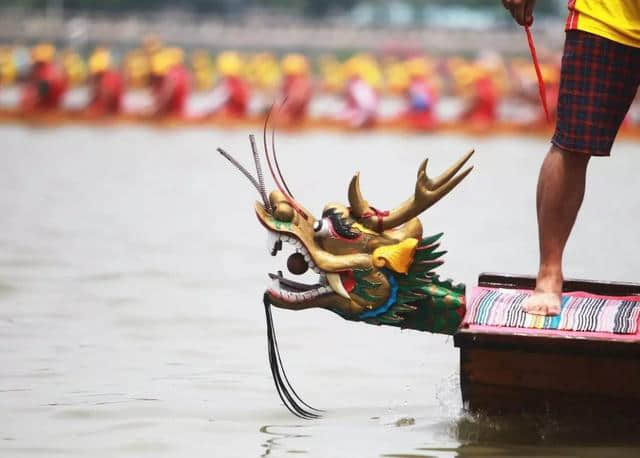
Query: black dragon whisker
{"x":288,"y":400}
{"x":284,"y":388}
{"x":284,"y":374}
{"x":287,"y":394}
{"x":256,"y":160}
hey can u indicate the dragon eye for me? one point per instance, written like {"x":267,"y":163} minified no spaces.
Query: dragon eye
{"x":317,"y":226}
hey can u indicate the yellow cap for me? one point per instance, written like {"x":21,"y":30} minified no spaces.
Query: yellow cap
{"x":161,"y":62}
{"x":372,"y":76}
{"x":353,"y":67}
{"x":366,"y":67}
{"x":397,"y":77}
{"x":99,"y":61}
{"x":43,"y":52}
{"x":263,"y":71}
{"x":371,"y":72}
{"x":464,"y":75}
{"x":229,"y":63}
{"x":295,"y":64}
{"x":417,"y":66}
{"x":175,"y":55}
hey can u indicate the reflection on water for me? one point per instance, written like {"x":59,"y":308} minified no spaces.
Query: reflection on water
{"x":132,"y":270}
{"x":275,"y":443}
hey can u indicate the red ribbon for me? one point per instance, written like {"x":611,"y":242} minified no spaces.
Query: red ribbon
{"x":377,"y":213}
{"x":541,"y":88}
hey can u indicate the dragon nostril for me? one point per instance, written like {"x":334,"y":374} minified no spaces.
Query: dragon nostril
{"x":296,"y":264}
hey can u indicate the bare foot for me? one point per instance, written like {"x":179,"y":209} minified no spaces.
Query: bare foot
{"x":547,"y":297}
{"x":540,"y":303}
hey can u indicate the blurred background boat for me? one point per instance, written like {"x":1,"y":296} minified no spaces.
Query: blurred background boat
{"x":394,"y":65}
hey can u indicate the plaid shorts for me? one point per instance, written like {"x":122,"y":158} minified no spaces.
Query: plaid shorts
{"x":599,"y":80}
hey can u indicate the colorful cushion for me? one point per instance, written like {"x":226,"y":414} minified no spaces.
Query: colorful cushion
{"x":581,"y":312}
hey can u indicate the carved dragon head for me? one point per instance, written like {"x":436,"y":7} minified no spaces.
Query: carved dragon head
{"x":372,"y":266}
{"x":367,"y":261}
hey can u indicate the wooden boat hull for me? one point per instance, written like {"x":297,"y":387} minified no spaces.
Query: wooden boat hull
{"x":512,"y":372}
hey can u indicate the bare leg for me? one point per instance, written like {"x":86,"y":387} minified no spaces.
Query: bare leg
{"x":561,"y":188}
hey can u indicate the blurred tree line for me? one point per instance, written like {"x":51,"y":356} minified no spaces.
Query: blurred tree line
{"x":309,"y":8}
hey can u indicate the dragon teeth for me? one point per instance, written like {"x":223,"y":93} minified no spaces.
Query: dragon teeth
{"x":336,"y":285}
{"x":272,"y":239}
{"x":292,"y":297}
{"x":313,"y":267}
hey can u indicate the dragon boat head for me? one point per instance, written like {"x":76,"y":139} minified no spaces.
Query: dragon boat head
{"x":357,"y":266}
{"x":372,"y":266}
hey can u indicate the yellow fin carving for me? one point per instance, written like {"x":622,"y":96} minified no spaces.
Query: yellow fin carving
{"x":398,"y":257}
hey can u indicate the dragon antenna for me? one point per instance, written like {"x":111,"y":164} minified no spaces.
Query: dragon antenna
{"x":266,"y":152}
{"x":291,"y":200}
{"x":256,"y":160}
{"x":273,"y":151}
{"x":246,"y":173}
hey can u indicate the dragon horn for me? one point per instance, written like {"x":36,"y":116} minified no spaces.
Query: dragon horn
{"x":449,"y":173}
{"x":359,"y":206}
{"x":428,"y":192}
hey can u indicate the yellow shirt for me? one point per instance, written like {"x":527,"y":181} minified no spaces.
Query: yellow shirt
{"x":617,"y":20}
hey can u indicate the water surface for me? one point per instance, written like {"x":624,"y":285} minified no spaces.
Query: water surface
{"x":131,"y":273}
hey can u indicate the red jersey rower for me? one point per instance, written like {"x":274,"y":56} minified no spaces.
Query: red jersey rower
{"x":296,"y":88}
{"x":232,"y":93}
{"x":362,"y":99}
{"x":481,"y":96}
{"x":46,"y":85}
{"x":421,"y":95}
{"x":107,"y":85}
{"x":170,"y":82}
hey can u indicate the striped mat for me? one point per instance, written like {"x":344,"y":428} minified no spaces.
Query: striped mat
{"x":580,"y":312}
